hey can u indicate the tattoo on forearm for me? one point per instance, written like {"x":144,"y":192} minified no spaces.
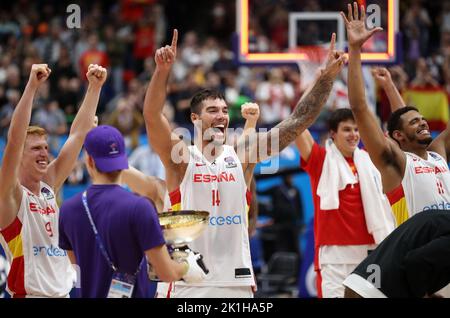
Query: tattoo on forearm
{"x":304,"y":114}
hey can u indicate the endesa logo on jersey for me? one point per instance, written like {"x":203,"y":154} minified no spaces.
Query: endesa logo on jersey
{"x":435,"y":170}
{"x":225,"y":220}
{"x":51,"y":251}
{"x":35,"y":208}
{"x":223,"y":177}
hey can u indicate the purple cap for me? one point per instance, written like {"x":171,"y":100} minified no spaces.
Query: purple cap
{"x":106,"y":146}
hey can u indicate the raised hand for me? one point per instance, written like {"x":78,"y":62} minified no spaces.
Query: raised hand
{"x":356,"y":28}
{"x":96,"y":74}
{"x":382,"y":76}
{"x":165,"y":56}
{"x":335,"y":60}
{"x":250,"y":111}
{"x":38,"y":74}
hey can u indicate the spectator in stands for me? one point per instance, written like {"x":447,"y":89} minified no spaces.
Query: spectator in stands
{"x":275,"y":97}
{"x":7,"y":110}
{"x":128,"y":120}
{"x":115,"y":50}
{"x":93,"y":55}
{"x":147,"y":161}
{"x":53,"y":120}
{"x":416,"y":23}
{"x":63,"y":68}
{"x":144,"y":41}
{"x":423,"y":77}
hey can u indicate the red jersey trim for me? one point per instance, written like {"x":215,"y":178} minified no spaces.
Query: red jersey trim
{"x":16,"y":278}
{"x":395,"y":195}
{"x":12,"y":230}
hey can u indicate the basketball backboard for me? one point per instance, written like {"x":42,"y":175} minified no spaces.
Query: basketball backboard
{"x":280,"y":31}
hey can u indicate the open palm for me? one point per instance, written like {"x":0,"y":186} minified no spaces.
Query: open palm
{"x":357,"y":33}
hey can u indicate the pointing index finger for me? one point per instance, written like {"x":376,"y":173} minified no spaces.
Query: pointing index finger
{"x":332,"y":43}
{"x":174,"y":39}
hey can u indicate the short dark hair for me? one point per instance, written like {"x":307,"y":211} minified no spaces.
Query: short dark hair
{"x":202,"y":95}
{"x":395,"y":122}
{"x":339,"y":115}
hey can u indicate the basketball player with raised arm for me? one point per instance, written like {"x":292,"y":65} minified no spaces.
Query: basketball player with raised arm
{"x":28,"y":182}
{"x":155,"y":188}
{"x":212,"y":176}
{"x":411,"y":159}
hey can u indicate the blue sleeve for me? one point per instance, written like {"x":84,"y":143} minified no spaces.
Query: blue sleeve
{"x":146,"y":225}
{"x":64,"y":242}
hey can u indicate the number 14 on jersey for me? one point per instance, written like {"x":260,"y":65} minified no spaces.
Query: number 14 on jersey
{"x":215,"y":198}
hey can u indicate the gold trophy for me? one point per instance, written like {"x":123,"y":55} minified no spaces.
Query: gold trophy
{"x":179,"y":229}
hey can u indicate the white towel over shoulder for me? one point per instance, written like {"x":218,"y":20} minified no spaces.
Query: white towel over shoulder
{"x":337,"y":174}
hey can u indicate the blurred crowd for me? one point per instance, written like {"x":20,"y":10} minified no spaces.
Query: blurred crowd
{"x":124,"y":35}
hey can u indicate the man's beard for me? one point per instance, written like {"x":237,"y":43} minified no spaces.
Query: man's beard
{"x":425,"y":141}
{"x":210,"y":136}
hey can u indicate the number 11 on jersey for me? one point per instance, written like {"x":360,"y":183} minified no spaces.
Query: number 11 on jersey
{"x":215,"y":198}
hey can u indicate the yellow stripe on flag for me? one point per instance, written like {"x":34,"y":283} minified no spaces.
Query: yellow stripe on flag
{"x":432,"y":104}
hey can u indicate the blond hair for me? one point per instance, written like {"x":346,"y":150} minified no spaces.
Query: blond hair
{"x":36,"y":131}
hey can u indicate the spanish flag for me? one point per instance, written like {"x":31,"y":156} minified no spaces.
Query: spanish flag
{"x":432,"y":103}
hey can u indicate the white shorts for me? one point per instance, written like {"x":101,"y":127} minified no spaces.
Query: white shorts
{"x":173,"y":290}
{"x":363,"y":287}
{"x":333,"y":275}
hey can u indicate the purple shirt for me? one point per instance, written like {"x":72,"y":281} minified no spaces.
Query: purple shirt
{"x":128,"y":226}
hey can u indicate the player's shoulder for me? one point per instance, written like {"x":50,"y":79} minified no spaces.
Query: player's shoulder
{"x":317,"y":154}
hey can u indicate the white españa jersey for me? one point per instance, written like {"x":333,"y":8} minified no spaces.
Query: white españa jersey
{"x":426,"y":183}
{"x":39,"y":267}
{"x":219,"y":188}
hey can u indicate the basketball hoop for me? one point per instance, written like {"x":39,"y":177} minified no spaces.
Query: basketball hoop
{"x":316,"y":57}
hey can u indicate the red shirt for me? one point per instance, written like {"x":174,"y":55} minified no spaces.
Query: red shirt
{"x":144,"y":43}
{"x":92,"y":57}
{"x":346,"y":225}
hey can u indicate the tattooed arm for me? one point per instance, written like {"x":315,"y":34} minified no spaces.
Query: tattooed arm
{"x":304,"y":114}
{"x":259,"y":147}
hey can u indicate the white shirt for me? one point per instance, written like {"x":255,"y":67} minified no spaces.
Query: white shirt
{"x":426,"y":183}
{"x":38,"y":266}
{"x":219,"y":187}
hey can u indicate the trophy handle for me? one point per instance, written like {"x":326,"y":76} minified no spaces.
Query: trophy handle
{"x":202,"y":265}
{"x":200,"y":262}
